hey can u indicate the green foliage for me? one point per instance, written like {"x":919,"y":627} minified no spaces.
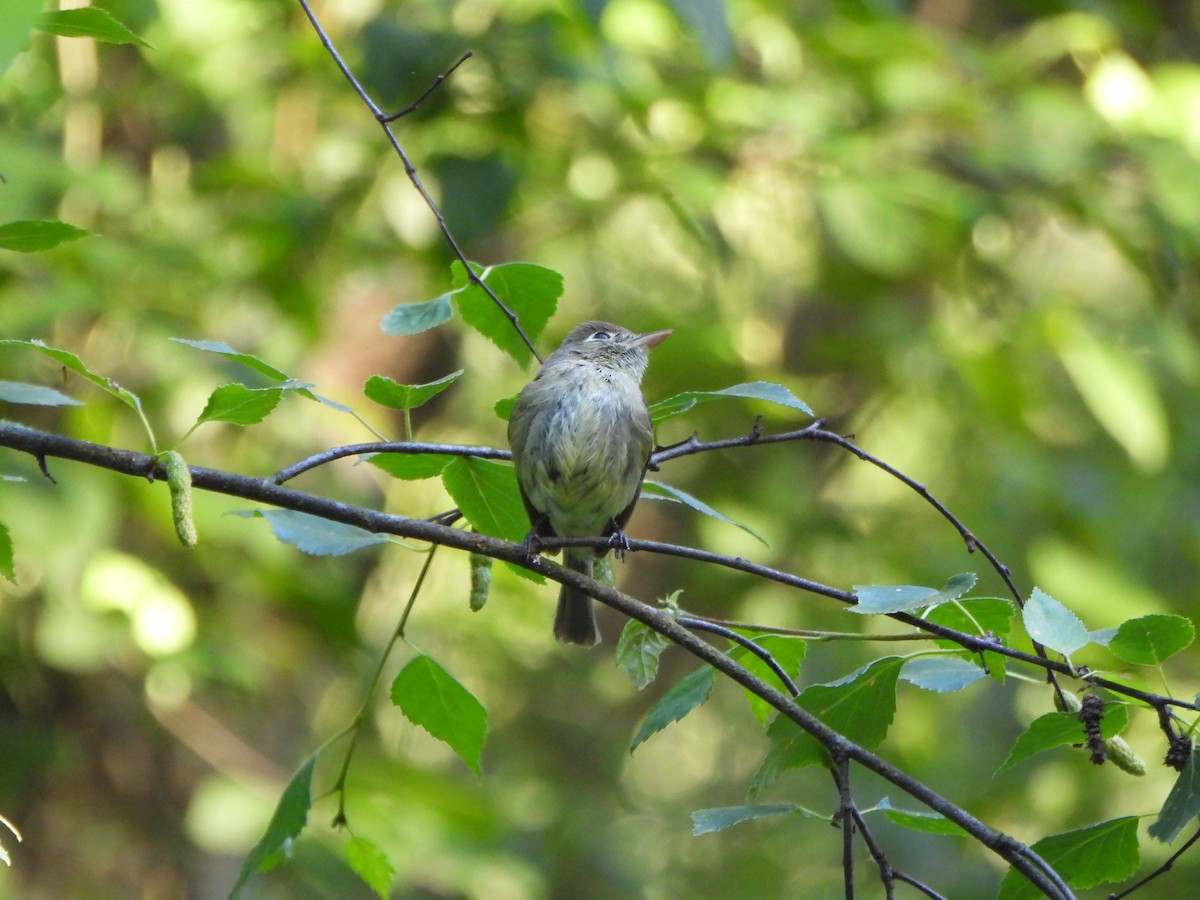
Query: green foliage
{"x":1150,"y":640}
{"x":942,"y":674}
{"x":686,"y":695}
{"x":706,"y":821}
{"x":1057,"y":728}
{"x":371,"y":864}
{"x":386,"y":392}
{"x":31,"y":237}
{"x":1182,"y":805}
{"x":901,"y":598}
{"x":317,"y":536}
{"x":638,"y":651}
{"x":36,"y":394}
{"x":90,"y":22}
{"x":1085,"y":857}
{"x":6,"y":554}
{"x":430,"y":697}
{"x":657,"y":491}
{"x":239,"y":405}
{"x":668,"y":409}
{"x":922,"y":821}
{"x":291,"y":815}
{"x":1053,"y":625}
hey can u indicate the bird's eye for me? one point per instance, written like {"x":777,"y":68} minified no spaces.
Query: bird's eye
{"x":601,"y":336}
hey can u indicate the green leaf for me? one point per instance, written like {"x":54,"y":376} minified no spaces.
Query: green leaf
{"x":75,"y":364}
{"x":371,"y":865}
{"x":34,"y":395}
{"x":414,"y":318}
{"x":638,"y":650}
{"x":90,"y":22}
{"x":667,"y":492}
{"x":411,"y":466}
{"x":860,"y":707}
{"x":925,"y":821}
{"x":691,"y":692}
{"x":1104,"y":852}
{"x":757,"y":390}
{"x":289,"y":820}
{"x":943,"y":674}
{"x":239,"y":405}
{"x":35,"y":236}
{"x":1057,"y":728}
{"x":978,"y":616}
{"x":787,"y":651}
{"x":430,"y":697}
{"x":1149,"y":640}
{"x":7,"y":566}
{"x":20,"y":16}
{"x":387,"y":392}
{"x":486,"y":492}
{"x":1182,"y":805}
{"x":1053,"y":625}
{"x":706,"y":821}
{"x":314,"y":535}
{"x":530,"y":291}
{"x":504,"y":408}
{"x":875,"y":599}
{"x":263,"y":368}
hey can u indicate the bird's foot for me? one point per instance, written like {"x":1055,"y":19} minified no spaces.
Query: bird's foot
{"x":619,"y":542}
{"x":533,"y":545}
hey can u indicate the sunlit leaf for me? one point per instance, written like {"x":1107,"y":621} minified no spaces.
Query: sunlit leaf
{"x":529,"y":291}
{"x":924,"y":821}
{"x":89,"y":22}
{"x":414,"y":318}
{"x":900,"y":598}
{"x":1104,"y":852}
{"x":1057,"y":728}
{"x":370,"y":864}
{"x":787,"y":651}
{"x":75,"y":364}
{"x":35,"y":236}
{"x":289,"y":820}
{"x":239,"y":405}
{"x":1053,"y":625}
{"x":943,"y":674}
{"x":758,"y":390}
{"x":430,"y":697}
{"x":411,"y":466}
{"x":386,"y":392}
{"x":1149,"y":640}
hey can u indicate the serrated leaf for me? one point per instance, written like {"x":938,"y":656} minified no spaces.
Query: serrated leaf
{"x":415,"y":318}
{"x":223,"y":349}
{"x":411,"y":466}
{"x":877,"y":599}
{"x":386,"y":392}
{"x":688,"y":694}
{"x":789,"y":652}
{"x":667,"y":492}
{"x":638,"y":650}
{"x":370,"y":864}
{"x":757,"y":390}
{"x":89,"y":22}
{"x":529,"y":291}
{"x":943,"y":674}
{"x":1182,"y":805}
{"x":7,"y":566}
{"x":1149,"y":640}
{"x":36,"y":236}
{"x":75,"y":364}
{"x":289,"y":820}
{"x":314,"y":535}
{"x":1053,"y":625}
{"x":1104,"y":852}
{"x":431,"y":698}
{"x":924,"y":821}
{"x":1058,"y":728}
{"x":706,"y":821}
{"x":487,"y":495}
{"x":34,"y":395}
{"x":239,"y":405}
{"x":860,"y":707}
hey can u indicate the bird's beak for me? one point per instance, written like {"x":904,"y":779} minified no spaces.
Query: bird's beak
{"x":653,"y":339}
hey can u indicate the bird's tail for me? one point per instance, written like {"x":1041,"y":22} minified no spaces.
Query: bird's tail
{"x":575,"y":619}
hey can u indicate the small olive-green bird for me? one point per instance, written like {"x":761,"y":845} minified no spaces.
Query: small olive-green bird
{"x":581,"y":440}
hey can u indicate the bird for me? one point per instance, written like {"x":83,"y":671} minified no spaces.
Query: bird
{"x":581,"y":439}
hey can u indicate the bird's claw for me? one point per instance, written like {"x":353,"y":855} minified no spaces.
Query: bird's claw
{"x":619,"y":542}
{"x":533,"y":545}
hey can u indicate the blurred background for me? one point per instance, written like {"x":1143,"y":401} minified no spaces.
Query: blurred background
{"x":965,"y":232}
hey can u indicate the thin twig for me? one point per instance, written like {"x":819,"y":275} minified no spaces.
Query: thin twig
{"x":410,"y":170}
{"x":742,"y":640}
{"x":1161,"y":870}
